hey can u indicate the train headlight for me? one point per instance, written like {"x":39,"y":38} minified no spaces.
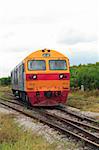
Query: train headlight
{"x":34,"y":76}
{"x":61,"y":76}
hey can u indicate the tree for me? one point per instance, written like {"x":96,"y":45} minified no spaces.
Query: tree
{"x":5,"y":81}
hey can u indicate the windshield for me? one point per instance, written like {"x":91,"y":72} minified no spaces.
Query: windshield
{"x":36,"y":65}
{"x":57,"y":65}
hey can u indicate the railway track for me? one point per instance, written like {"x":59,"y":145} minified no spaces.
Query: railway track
{"x":75,"y":118}
{"x":66,"y":126}
{"x":87,"y":126}
{"x":78,"y":116}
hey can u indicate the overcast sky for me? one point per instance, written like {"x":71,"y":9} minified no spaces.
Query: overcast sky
{"x":68,"y":26}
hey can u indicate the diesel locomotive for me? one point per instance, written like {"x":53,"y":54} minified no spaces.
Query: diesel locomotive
{"x":42,"y":78}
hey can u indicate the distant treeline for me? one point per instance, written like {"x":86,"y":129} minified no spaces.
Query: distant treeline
{"x":86,"y":75}
{"x":5,"y":81}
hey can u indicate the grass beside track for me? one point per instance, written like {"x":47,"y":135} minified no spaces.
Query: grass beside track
{"x":4,"y":89}
{"x":85,"y":101}
{"x":13,"y":137}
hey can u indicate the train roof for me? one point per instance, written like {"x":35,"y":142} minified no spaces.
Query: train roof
{"x":45,"y":53}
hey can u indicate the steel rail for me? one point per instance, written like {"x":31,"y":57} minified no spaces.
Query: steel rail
{"x":70,"y":120}
{"x":12,"y":101}
{"x":82,"y":117}
{"x":83,"y":124}
{"x":64,"y":109}
{"x":90,"y":135}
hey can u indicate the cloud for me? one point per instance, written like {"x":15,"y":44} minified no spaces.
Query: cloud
{"x":7,"y":35}
{"x":80,"y":57}
{"x":73,"y":37}
{"x":29,"y":20}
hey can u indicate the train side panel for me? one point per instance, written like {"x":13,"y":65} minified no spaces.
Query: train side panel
{"x":18,"y":78}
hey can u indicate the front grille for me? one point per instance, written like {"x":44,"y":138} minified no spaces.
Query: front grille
{"x":48,"y":94}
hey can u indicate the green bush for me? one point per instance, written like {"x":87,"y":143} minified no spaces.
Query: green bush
{"x":5,"y":81}
{"x":87,"y":75}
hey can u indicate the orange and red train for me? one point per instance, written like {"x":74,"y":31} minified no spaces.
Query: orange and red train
{"x":42,"y":78}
